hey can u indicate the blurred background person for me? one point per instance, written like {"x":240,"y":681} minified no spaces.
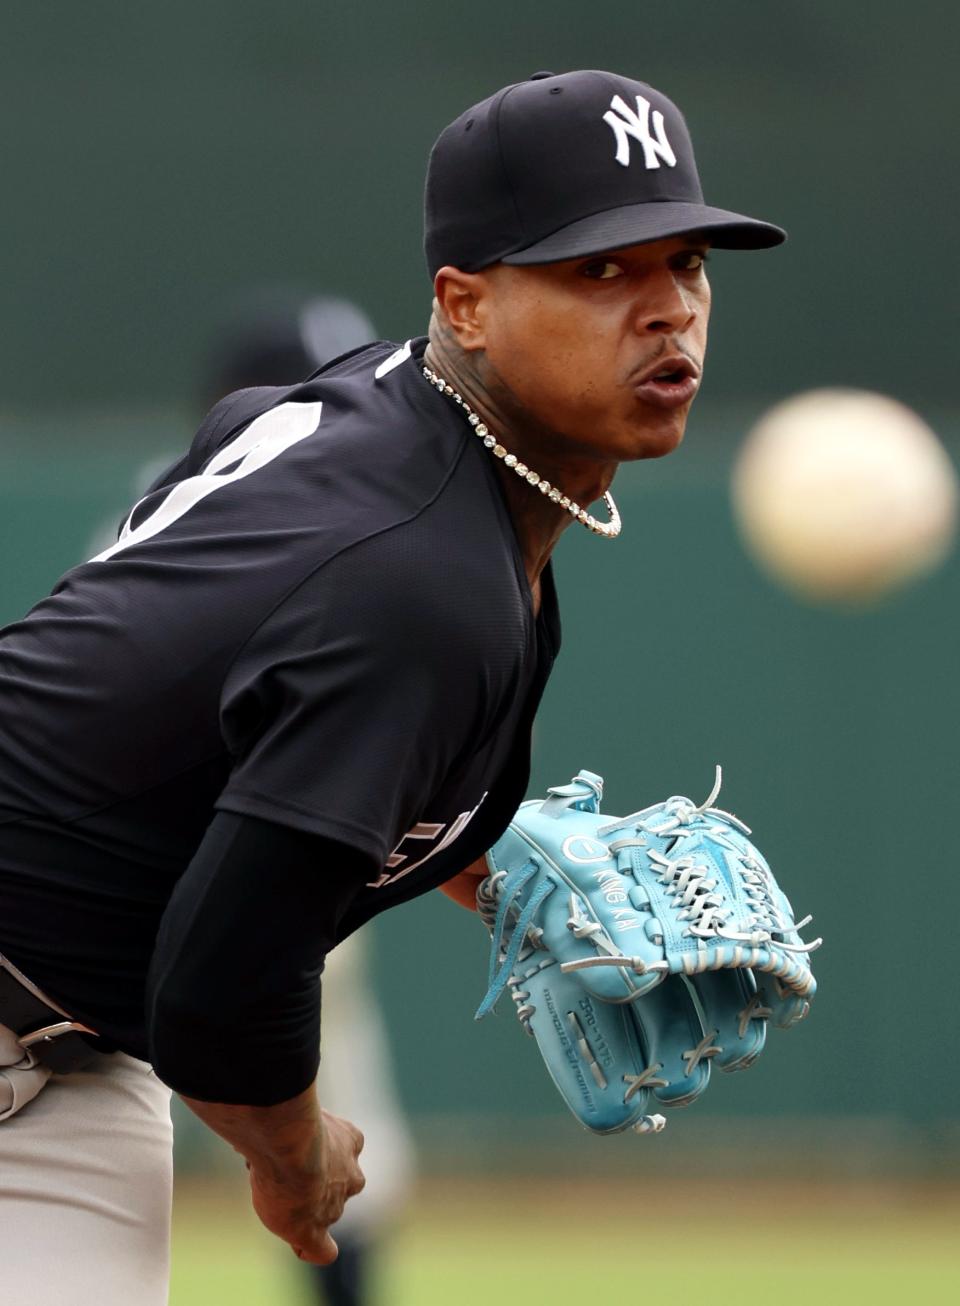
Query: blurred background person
{"x":274,"y":336}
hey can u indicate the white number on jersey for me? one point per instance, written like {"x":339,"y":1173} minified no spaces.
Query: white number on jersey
{"x":264,"y":439}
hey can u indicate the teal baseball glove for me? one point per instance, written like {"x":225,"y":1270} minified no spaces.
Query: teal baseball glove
{"x":639,"y":951}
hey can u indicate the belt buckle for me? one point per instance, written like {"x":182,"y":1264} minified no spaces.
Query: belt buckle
{"x":44,"y":1042}
{"x":49,"y":1032}
{"x":59,"y":1047}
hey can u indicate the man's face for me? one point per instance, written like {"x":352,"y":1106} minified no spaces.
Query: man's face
{"x":603,"y":353}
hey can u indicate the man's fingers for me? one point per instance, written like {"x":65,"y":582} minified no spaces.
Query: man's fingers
{"x":354,"y":1135}
{"x":302,"y":1215}
{"x":329,"y":1207}
{"x":325,"y":1252}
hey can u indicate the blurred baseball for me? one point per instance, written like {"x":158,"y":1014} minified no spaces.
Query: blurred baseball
{"x":844,"y":495}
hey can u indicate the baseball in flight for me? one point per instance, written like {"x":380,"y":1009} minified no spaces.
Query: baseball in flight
{"x":844,"y":495}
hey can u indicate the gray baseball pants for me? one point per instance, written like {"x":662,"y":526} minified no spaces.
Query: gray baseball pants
{"x":85,"y":1185}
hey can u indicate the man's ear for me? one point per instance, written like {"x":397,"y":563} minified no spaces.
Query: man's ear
{"x":460,"y":299}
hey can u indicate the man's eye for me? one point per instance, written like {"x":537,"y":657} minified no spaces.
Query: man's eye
{"x":693,"y":261}
{"x":601,"y":269}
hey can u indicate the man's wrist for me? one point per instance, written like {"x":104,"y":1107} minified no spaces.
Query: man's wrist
{"x":285,"y":1144}
{"x":463,"y":887}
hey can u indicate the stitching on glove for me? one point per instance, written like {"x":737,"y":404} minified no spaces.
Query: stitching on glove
{"x":704,"y":1050}
{"x":754,"y":1010}
{"x":648,"y":1079}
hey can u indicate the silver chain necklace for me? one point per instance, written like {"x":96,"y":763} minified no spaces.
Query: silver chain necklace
{"x":609,"y":530}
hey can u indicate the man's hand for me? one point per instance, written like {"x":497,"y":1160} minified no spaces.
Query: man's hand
{"x":301,"y":1211}
{"x":302,"y":1162}
{"x":463,"y":887}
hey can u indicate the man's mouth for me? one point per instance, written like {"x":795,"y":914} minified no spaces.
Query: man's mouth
{"x":668,"y":383}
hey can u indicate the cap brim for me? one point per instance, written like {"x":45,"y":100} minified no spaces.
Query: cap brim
{"x":636,"y":224}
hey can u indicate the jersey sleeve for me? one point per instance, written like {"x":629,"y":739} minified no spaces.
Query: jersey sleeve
{"x":359,"y":693}
{"x":219,"y":1029}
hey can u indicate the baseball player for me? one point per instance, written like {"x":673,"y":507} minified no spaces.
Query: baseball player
{"x":298,"y":688}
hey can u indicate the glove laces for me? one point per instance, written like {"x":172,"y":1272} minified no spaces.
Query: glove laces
{"x":691,"y":883}
{"x":514,"y":882}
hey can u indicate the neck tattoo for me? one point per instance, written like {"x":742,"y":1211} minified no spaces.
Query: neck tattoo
{"x":606,"y":530}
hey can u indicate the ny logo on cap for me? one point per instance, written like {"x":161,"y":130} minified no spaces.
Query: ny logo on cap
{"x":637,"y":125}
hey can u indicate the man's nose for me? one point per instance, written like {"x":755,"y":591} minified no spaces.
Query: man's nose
{"x":664,"y":306}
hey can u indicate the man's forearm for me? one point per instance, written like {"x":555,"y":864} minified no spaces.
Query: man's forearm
{"x":284,"y":1142}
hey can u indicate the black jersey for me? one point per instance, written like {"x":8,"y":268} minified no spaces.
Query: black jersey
{"x":319,"y":617}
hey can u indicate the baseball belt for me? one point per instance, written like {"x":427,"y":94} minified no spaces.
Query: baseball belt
{"x":39,"y":1025}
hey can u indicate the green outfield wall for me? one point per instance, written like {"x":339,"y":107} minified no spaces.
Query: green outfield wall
{"x":836,"y":730}
{"x":157,"y":159}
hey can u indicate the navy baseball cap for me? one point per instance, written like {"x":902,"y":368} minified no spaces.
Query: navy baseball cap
{"x":562,"y":166}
